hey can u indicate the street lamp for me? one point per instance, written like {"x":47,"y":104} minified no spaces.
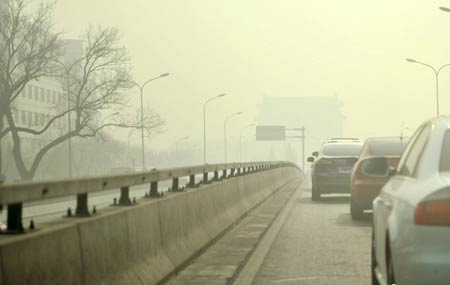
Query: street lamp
{"x":240,"y":139}
{"x":141,"y":90}
{"x":67,"y":70}
{"x":225,"y":131}
{"x":204,"y":123}
{"x":436,"y":73}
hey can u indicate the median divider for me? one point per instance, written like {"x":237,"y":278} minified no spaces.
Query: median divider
{"x":141,"y":244}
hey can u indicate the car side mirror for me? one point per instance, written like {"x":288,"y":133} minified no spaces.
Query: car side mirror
{"x":316,"y":154}
{"x":392,"y":171}
{"x":377,"y":166}
{"x":311,"y":159}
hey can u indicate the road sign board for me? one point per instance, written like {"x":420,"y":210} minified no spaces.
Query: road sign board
{"x":270,"y":133}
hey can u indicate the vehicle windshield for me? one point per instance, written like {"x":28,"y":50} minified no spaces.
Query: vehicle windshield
{"x":341,"y":149}
{"x":387,"y":147}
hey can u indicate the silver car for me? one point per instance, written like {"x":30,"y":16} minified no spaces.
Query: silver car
{"x":411,"y":216}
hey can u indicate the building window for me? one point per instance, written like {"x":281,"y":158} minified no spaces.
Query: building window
{"x":23,"y":117}
{"x":42,"y":94}
{"x":42,"y":119}
{"x":30,"y":91}
{"x":16,"y":115}
{"x":36,"y":119}
{"x":54,"y":97}
{"x":29,"y":118}
{"x":36,"y":96}
{"x":34,"y":93}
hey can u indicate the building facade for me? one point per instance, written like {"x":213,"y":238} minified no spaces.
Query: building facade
{"x":36,"y":105}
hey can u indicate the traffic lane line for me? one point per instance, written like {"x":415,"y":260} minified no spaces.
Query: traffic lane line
{"x":319,"y":244}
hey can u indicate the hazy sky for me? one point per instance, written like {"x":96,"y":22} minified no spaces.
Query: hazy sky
{"x":251,"y":48}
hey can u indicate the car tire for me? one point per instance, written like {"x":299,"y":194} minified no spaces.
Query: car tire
{"x":356,"y":211}
{"x":315,"y":193}
{"x":373,"y":262}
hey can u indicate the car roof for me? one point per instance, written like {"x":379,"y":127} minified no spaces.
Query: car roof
{"x":387,"y":138}
{"x":343,"y":143}
{"x":343,"y":139}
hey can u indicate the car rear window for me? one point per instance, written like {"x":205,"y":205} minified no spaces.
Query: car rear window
{"x":387,"y":147}
{"x":336,"y":149}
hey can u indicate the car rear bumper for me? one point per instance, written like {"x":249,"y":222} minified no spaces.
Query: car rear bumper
{"x":327,"y":184}
{"x":421,"y":255}
{"x":424,"y":268}
{"x":363,"y":195}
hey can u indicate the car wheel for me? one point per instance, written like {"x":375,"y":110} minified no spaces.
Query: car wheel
{"x":373,"y":262}
{"x":390,"y":270}
{"x":315,"y":193}
{"x":356,"y":211}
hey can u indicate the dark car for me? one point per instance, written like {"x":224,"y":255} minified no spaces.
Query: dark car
{"x":332,"y":167}
{"x":364,"y":188}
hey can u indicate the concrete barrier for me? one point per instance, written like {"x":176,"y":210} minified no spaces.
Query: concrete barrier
{"x":141,"y":244}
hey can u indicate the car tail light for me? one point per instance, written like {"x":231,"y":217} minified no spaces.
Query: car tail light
{"x":433,"y":213}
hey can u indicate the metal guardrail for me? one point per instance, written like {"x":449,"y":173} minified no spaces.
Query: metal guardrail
{"x":15,"y":194}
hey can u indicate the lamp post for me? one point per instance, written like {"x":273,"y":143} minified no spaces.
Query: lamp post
{"x":67,"y":71}
{"x":225,"y":131}
{"x":436,"y":74}
{"x":240,"y":139}
{"x":204,"y":122}
{"x":141,"y":90}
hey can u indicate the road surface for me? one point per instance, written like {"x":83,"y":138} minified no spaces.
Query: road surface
{"x":307,"y":243}
{"x":319,"y":244}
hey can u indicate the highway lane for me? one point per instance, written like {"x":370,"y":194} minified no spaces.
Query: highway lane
{"x":319,"y":243}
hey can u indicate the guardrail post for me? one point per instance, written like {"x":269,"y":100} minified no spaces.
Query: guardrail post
{"x":216,"y":175}
{"x":175,"y":184}
{"x":14,"y":219}
{"x":154,"y":189}
{"x":232,"y":172}
{"x":82,"y":205}
{"x":205,"y":178}
{"x":124,"y":199}
{"x":239,"y":171}
{"x":224,"y":174}
{"x":192,"y":180}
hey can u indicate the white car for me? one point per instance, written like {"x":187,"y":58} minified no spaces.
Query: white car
{"x":411,"y":216}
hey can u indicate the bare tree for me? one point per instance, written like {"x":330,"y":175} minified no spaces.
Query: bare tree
{"x":97,"y":87}
{"x":27,"y":43}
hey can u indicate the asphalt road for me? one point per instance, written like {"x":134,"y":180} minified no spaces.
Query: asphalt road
{"x":318,"y":243}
